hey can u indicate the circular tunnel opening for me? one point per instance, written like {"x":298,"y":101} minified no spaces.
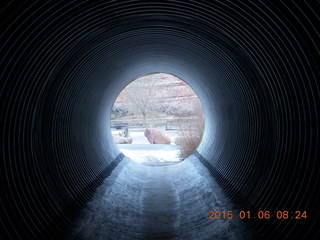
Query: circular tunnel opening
{"x":157,"y":119}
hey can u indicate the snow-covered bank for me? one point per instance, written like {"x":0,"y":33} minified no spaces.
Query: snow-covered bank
{"x":151,"y":154}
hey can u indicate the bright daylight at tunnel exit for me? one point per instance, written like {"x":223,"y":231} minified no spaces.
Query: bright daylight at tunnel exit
{"x":157,"y":120}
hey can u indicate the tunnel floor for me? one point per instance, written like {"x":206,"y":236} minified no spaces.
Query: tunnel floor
{"x":158,"y":202}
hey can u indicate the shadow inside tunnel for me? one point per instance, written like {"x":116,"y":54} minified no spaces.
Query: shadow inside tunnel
{"x":167,"y":202}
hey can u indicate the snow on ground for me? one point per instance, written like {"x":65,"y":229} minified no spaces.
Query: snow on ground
{"x":151,"y":154}
{"x":138,"y":137}
{"x":165,"y":202}
{"x":143,"y":152}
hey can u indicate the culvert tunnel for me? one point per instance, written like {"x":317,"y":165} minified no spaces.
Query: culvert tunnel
{"x":253,"y":65}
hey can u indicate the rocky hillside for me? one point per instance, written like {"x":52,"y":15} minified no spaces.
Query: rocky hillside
{"x":162,"y":94}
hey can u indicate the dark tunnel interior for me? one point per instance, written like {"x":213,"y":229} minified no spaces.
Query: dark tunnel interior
{"x":254,"y":65}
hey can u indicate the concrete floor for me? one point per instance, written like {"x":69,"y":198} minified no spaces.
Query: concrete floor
{"x":158,"y":202}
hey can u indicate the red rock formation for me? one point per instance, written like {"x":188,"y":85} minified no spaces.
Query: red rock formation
{"x":156,"y":137}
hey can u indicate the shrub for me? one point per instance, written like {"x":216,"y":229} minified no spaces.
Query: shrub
{"x":190,"y":135}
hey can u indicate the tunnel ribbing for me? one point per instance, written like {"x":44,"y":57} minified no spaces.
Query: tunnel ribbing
{"x":253,"y":65}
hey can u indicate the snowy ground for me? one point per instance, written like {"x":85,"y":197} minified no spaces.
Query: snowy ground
{"x":143,"y":152}
{"x":137,"y":134}
{"x":165,"y":202}
{"x":151,"y":154}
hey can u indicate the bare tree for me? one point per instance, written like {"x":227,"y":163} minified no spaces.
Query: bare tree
{"x":139,"y":93}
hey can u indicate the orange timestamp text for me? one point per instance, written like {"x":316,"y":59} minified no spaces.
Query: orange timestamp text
{"x":257,"y":214}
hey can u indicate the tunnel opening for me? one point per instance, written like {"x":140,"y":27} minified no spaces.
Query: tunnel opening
{"x":157,"y":119}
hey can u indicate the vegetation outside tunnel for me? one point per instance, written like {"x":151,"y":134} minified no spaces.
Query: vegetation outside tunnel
{"x":163,"y":102}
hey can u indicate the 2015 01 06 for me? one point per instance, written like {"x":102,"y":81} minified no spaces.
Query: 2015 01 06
{"x":258,"y":214}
